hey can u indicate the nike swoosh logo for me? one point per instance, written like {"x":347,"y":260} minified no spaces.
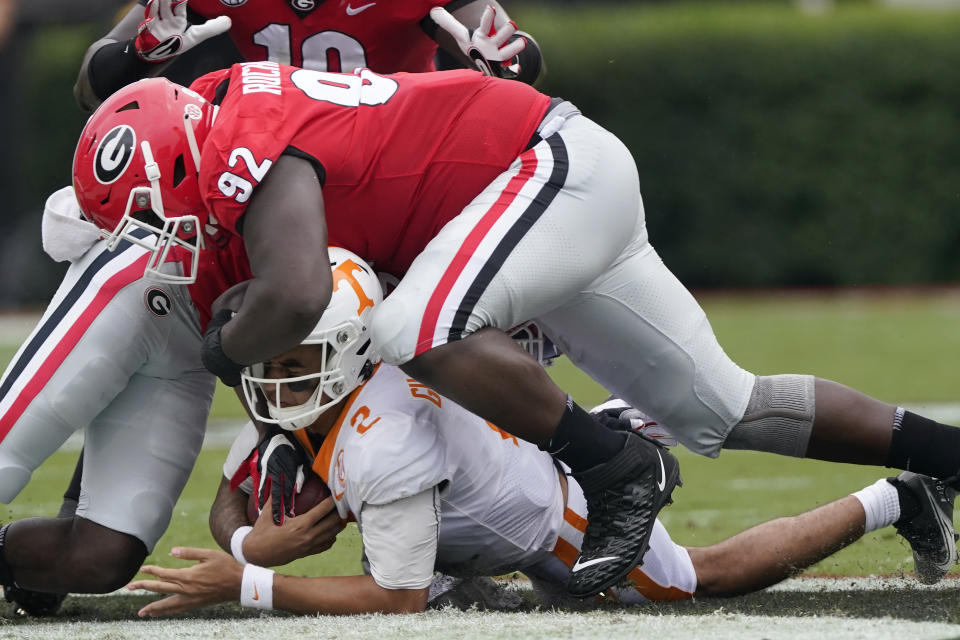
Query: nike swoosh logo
{"x":583,"y":565}
{"x":663,"y":474}
{"x":352,"y":12}
{"x":256,"y":596}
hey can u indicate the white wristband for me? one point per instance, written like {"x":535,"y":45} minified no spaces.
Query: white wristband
{"x":236,"y":543}
{"x":256,"y":590}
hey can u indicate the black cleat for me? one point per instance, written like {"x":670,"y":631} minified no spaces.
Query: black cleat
{"x":624,"y":496}
{"x":926,"y":522}
{"x":33,"y":603}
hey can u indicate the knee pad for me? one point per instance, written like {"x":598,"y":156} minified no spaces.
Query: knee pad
{"x":778,"y":418}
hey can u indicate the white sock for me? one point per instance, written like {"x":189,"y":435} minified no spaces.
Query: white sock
{"x":881,"y":503}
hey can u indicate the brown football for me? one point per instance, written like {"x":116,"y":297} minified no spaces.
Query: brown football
{"x":313,"y":492}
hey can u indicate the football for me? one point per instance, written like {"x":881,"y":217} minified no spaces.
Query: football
{"x":314,"y":491}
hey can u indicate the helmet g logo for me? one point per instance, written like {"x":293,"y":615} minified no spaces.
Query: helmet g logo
{"x":114,"y":153}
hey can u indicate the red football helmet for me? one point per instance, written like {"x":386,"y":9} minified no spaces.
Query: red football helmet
{"x":135,"y":171}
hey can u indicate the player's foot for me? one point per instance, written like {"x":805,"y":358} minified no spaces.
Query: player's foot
{"x":33,"y":603}
{"x":926,"y":522}
{"x":624,"y":496}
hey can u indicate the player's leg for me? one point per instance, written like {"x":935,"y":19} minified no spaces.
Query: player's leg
{"x":61,"y":555}
{"x":39,"y":603}
{"x":666,"y":361}
{"x":530,"y":241}
{"x":138,"y":455}
{"x":775,"y":550}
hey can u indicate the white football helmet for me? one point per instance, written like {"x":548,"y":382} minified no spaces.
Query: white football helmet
{"x":342,"y":334}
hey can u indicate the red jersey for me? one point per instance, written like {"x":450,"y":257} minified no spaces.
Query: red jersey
{"x":218,"y":269}
{"x":330,"y":35}
{"x":397,"y":156}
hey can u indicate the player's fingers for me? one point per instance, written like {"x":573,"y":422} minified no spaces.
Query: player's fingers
{"x":165,"y":9}
{"x":179,"y":9}
{"x":192,"y":553}
{"x":486,"y":21}
{"x":161,"y":572}
{"x":266,"y":490}
{"x":166,"y":606}
{"x":277,"y":497}
{"x":513,"y":49}
{"x":266,"y":511}
{"x":503,"y":34}
{"x":450,"y":24}
{"x":209,"y":29}
{"x":157,"y":586}
{"x":320,"y":511}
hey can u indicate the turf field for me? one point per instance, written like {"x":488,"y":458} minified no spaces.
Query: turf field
{"x":899,"y":346}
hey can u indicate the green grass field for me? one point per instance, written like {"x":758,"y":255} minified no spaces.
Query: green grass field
{"x":898,"y":346}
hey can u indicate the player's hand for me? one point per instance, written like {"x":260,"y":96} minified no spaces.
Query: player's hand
{"x":630,"y":419}
{"x":298,"y":537}
{"x":491,"y":49}
{"x":215,"y":578}
{"x":211,"y":351}
{"x":276,"y":466}
{"x":165,"y":31}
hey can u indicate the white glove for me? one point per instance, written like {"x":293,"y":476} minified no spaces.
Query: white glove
{"x":488,"y":48}
{"x":165,"y":31}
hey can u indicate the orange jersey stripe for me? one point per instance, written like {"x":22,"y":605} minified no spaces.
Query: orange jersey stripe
{"x":304,"y":439}
{"x":321,"y":461}
{"x":644,"y":584}
{"x":575,"y":520}
{"x":653,"y":591}
{"x":566,"y":552}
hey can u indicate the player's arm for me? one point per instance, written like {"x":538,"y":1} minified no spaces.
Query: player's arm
{"x":228,"y":513}
{"x":264,"y":543}
{"x":285,"y":236}
{"x":400,"y":539}
{"x":400,"y":542}
{"x":140,"y":45}
{"x":481,"y":35}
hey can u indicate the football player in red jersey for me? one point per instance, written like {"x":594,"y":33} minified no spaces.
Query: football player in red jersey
{"x":500,"y":205}
{"x":325,"y":35}
{"x":116,"y":355}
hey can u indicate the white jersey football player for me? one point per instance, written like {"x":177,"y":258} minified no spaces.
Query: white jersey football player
{"x":428,"y":499}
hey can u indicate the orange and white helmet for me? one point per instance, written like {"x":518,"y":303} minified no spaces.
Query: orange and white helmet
{"x":344,"y":336}
{"x":136,"y":166}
